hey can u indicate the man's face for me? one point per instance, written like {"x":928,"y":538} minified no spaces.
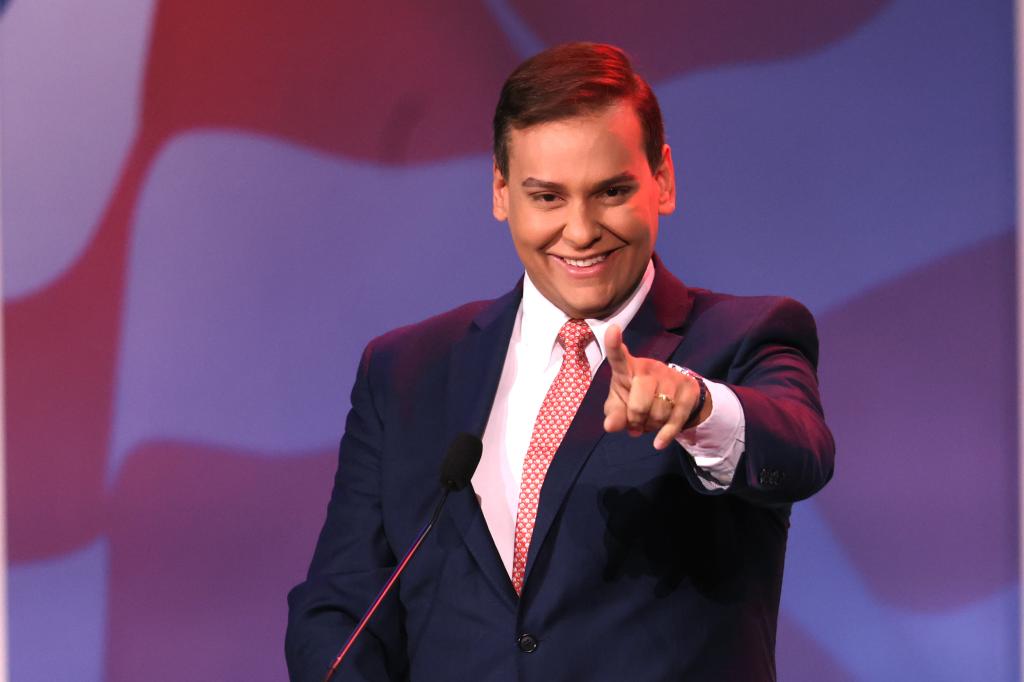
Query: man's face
{"x":582,"y":205}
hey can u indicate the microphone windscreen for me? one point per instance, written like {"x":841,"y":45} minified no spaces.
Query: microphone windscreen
{"x":460,"y":462}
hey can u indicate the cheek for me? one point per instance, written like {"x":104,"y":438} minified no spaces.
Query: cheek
{"x":533,"y":229}
{"x":634,"y":222}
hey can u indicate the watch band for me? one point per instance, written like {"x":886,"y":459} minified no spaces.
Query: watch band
{"x":695,"y":412}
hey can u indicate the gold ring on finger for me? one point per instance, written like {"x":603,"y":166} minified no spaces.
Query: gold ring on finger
{"x":666,"y":398}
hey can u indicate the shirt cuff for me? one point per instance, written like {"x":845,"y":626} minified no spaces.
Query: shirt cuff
{"x":716,"y":444}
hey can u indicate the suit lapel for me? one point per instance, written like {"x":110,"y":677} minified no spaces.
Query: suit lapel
{"x":474,"y":371}
{"x":654,"y":332}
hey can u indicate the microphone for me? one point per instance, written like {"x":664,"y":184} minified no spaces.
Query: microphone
{"x":456,"y":471}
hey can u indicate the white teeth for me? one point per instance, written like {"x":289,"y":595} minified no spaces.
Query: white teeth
{"x":585,"y":263}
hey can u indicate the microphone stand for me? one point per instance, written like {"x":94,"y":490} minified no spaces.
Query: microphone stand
{"x":387,"y":587}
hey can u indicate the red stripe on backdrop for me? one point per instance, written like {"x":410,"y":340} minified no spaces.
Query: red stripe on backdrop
{"x":179,"y":603}
{"x":913,"y":429}
{"x":59,"y":355}
{"x":390,"y":82}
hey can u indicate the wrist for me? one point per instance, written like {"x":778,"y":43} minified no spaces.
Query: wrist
{"x":702,"y":406}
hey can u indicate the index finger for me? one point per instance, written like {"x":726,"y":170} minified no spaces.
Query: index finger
{"x":618,"y":354}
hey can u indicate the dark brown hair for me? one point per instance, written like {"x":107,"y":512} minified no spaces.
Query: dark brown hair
{"x":571,"y":80}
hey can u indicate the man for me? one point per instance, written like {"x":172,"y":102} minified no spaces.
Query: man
{"x":628,"y":518}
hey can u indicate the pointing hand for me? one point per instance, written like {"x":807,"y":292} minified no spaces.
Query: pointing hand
{"x":647,"y":395}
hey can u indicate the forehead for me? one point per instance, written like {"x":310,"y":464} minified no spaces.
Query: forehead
{"x":607,"y":141}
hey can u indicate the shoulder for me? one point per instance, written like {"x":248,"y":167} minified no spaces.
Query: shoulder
{"x":711,"y":307}
{"x":447,"y":326}
{"x":684,"y":307}
{"x":741,"y":324}
{"x":429,"y":339}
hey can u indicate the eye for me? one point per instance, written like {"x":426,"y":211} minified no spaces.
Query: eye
{"x":544,"y":197}
{"x":617,"y":192}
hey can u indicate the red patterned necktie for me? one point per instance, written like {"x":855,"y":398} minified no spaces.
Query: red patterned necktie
{"x":556,"y":413}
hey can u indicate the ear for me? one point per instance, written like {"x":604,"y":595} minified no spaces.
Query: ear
{"x":666,"y":179}
{"x":500,"y":198}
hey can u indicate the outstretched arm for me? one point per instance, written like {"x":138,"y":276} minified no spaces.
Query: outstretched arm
{"x":789,"y":451}
{"x":785,"y":453}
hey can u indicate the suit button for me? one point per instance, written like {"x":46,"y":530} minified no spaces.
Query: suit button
{"x":770,"y":478}
{"x":527,"y":643}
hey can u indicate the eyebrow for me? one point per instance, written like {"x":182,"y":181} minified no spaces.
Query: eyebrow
{"x":624,"y":177}
{"x":534,"y":183}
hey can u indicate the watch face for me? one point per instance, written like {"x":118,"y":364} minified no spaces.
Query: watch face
{"x":684,"y":370}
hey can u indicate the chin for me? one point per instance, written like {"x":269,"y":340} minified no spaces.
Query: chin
{"x":592,"y":310}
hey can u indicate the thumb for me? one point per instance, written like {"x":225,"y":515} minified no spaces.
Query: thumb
{"x":618,"y":354}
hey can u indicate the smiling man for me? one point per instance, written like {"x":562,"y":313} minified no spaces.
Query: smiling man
{"x":582,"y":203}
{"x":643,"y":440}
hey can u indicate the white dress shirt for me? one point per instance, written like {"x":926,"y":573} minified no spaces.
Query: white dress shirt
{"x":531,"y":364}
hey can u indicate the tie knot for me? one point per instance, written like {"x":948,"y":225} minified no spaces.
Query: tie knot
{"x":574,"y":336}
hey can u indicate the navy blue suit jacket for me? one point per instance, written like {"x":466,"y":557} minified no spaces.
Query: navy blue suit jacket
{"x":635,"y":570}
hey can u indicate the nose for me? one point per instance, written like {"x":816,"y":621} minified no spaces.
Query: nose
{"x":581,"y":230}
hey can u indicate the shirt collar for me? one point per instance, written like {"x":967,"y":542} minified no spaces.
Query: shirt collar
{"x":541,"y":319}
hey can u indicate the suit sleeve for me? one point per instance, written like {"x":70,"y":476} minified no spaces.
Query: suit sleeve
{"x":788,"y":450}
{"x":351,"y":562}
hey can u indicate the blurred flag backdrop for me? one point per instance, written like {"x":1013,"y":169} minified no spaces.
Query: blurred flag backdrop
{"x":209,"y":207}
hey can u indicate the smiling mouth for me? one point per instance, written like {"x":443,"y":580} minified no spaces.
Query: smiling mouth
{"x":584,"y":262}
